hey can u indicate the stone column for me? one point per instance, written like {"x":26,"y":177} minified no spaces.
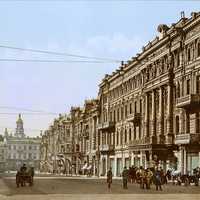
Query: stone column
{"x":115,"y":166}
{"x":161,"y":117}
{"x":146,"y":120}
{"x":185,"y":161}
{"x":141,"y":158}
{"x":170,"y":136}
{"x":132,"y":159}
{"x":153,"y":122}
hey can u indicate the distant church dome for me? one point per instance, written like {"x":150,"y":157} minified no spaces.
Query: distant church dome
{"x":19,"y":119}
{"x":20,"y":128}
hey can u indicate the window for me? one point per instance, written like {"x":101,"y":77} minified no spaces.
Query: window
{"x":198,"y":84}
{"x":14,"y":147}
{"x":189,"y":54}
{"x":126,"y":109}
{"x":24,"y":147}
{"x":30,"y":156}
{"x":122,"y":113}
{"x":178,"y":90}
{"x":130,"y":108}
{"x":35,"y":156}
{"x":130,"y":134}
{"x":188,"y":86}
{"x":177,"y":124}
{"x":114,"y":116}
{"x":198,"y":49}
{"x":30,"y":147}
{"x":117,"y":138}
{"x":125,"y":136}
{"x":140,"y":106}
{"x":135,"y":106}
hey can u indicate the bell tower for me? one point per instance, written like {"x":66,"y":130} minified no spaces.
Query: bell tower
{"x":20,"y":129}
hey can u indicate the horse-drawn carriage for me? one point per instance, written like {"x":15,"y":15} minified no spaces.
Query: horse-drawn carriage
{"x":23,"y":177}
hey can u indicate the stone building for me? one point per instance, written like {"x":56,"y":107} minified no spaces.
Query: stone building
{"x":149,"y":107}
{"x":3,"y":153}
{"x":147,"y":111}
{"x":56,"y":147}
{"x":84,"y":127}
{"x":21,"y":149}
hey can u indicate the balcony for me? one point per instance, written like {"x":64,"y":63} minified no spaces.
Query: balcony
{"x":134,"y":118}
{"x":188,"y":101}
{"x":106,"y":125}
{"x":106,"y":147}
{"x":187,"y":138}
{"x":141,"y":141}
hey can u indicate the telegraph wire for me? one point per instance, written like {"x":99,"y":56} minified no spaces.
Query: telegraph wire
{"x":57,"y":53}
{"x":31,"y":113}
{"x":53,"y":61}
{"x":24,"y":109}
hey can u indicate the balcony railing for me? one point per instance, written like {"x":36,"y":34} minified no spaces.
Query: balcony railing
{"x":187,"y":138}
{"x":188,"y":101}
{"x":135,"y":118}
{"x":106,"y":147}
{"x":141,"y":141}
{"x":106,"y":125}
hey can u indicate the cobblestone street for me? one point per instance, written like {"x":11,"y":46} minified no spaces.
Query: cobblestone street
{"x":66,"y":187}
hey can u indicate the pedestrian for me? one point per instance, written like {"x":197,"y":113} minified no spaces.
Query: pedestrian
{"x":140,"y":174}
{"x":149,"y":175}
{"x":157,"y":177}
{"x":125,"y":178}
{"x":109,"y":177}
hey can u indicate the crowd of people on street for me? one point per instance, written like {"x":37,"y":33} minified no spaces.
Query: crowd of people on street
{"x":155,"y":175}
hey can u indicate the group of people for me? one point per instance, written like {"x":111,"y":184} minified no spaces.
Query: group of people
{"x":144,"y":177}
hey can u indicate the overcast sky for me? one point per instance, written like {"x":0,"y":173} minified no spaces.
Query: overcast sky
{"x":115,"y":29}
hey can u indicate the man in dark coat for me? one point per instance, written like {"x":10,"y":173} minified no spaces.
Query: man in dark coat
{"x":157,"y":176}
{"x":109,"y":177}
{"x":125,"y":178}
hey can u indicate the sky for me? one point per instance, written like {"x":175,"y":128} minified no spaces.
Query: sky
{"x":108,"y":29}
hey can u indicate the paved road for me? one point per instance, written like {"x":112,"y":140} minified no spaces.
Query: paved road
{"x":58,"y":188}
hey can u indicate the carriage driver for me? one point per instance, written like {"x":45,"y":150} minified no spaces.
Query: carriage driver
{"x":23,"y":168}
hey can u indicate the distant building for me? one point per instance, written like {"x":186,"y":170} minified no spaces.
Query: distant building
{"x":2,"y":156}
{"x":21,"y":149}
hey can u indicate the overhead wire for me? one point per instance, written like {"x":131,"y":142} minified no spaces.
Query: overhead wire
{"x":52,"y":61}
{"x":58,"y":53}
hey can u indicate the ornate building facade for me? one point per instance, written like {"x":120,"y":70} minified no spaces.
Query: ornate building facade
{"x":149,"y":108}
{"x":56,"y":147}
{"x":147,"y":111}
{"x":21,"y":149}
